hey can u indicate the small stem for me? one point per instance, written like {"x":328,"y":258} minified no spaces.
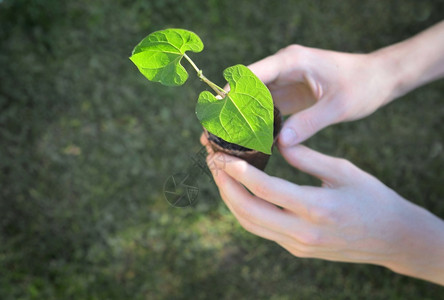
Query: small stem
{"x":192,"y":63}
{"x":220,"y":91}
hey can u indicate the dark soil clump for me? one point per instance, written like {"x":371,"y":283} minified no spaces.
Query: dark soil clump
{"x":226,"y":145}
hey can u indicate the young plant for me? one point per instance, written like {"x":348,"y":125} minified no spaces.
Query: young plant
{"x":242,"y":116}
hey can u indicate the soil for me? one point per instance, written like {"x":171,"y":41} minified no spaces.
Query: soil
{"x":226,"y":145}
{"x":253,"y":157}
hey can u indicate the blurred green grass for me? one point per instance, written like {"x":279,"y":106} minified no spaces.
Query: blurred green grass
{"x":86,"y":144}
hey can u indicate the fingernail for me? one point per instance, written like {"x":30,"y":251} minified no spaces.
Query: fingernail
{"x":288,"y":137}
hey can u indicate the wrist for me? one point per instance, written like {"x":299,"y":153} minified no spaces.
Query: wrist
{"x":420,"y":245}
{"x":413,"y":62}
{"x":393,"y":71}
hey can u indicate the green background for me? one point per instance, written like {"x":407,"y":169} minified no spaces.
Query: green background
{"x":86,"y":144}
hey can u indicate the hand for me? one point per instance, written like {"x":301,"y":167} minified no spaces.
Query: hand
{"x":322,"y":88}
{"x":353,"y":217}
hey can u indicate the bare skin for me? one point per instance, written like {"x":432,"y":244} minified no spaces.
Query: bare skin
{"x":352,"y":217}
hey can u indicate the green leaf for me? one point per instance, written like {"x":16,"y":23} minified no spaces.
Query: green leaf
{"x":244,"y":116}
{"x":158,"y":55}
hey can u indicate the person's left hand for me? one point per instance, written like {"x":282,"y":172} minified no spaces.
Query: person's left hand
{"x":352,"y":217}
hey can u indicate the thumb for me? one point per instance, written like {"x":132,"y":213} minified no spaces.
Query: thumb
{"x":331,"y":170}
{"x":266,"y":69}
{"x":305,"y":123}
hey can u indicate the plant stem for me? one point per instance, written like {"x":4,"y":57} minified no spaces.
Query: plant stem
{"x":220,"y":91}
{"x":192,"y":63}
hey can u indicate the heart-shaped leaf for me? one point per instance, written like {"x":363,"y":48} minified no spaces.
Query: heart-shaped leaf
{"x":244,"y":116}
{"x":158,"y":55}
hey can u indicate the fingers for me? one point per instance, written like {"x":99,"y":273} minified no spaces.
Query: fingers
{"x":286,"y":65}
{"x":293,"y":250}
{"x":249,"y":207}
{"x":275,"y":190}
{"x":267,"y":220}
{"x":204,"y":142}
{"x":306,"y":123}
{"x":262,"y":218}
{"x":294,"y":87}
{"x":251,"y":227}
{"x":267,"y":69}
{"x":203,"y":139}
{"x":331,"y":170}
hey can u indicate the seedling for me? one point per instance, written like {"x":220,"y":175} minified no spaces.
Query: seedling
{"x":242,"y":116}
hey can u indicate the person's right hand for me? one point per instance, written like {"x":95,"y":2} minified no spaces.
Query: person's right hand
{"x":322,"y":87}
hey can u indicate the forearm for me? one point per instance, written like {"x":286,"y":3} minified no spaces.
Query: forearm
{"x":413,"y":62}
{"x":421,"y":246}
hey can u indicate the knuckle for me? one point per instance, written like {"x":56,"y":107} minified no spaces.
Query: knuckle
{"x":291,"y":54}
{"x":261,"y":190}
{"x":323,"y":214}
{"x":241,"y":166}
{"x":318,"y":215}
{"x":222,"y":181}
{"x":244,"y":211}
{"x":327,"y":216}
{"x":346,"y":168}
{"x":344,"y":164}
{"x":238,"y":166}
{"x":309,"y":122}
{"x":292,"y":49}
